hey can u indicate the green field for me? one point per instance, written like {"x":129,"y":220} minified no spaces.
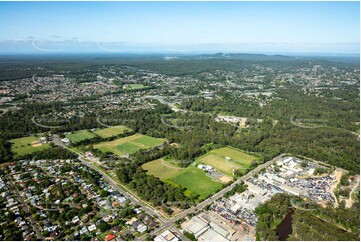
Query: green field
{"x":161,"y":169}
{"x":112,"y":131}
{"x":129,"y":145}
{"x":192,"y":178}
{"x":197,"y":181}
{"x":24,"y":146}
{"x":134,"y":86}
{"x":217,"y":159}
{"x":80,"y":135}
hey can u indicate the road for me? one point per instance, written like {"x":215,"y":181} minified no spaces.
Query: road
{"x":213,"y":198}
{"x":166,"y":223}
{"x":132,"y":198}
{"x":27,"y":210}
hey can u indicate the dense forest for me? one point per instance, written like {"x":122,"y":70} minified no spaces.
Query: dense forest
{"x":330,"y":144}
{"x":311,"y":223}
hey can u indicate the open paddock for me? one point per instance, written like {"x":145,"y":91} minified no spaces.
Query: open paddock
{"x":112,"y":131}
{"x":227,"y":160}
{"x":129,"y":145}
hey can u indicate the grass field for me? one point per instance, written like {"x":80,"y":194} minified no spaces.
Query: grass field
{"x":134,"y":86}
{"x":161,"y":169}
{"x":24,"y":146}
{"x":197,"y":181}
{"x":80,"y":135}
{"x":217,"y":159}
{"x":112,"y":131}
{"x":129,"y":145}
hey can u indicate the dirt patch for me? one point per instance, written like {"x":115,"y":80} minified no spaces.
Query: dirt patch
{"x":349,"y":201}
{"x":225,"y":179}
{"x":338,"y":175}
{"x":36,"y":144}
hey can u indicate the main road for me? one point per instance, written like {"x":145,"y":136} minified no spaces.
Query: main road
{"x":213,"y":198}
{"x":147,"y":208}
{"x":166,"y":222}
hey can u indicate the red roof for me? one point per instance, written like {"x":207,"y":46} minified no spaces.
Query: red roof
{"x":109,"y":237}
{"x":114,"y":204}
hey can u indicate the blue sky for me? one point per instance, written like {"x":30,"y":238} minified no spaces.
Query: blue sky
{"x":180,"y":26}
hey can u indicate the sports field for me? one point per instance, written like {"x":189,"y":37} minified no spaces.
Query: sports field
{"x":134,"y":86}
{"x":236,"y":159}
{"x":197,"y":181}
{"x":162,"y":169}
{"x":27,"y":145}
{"x":129,"y":145}
{"x":112,"y":131}
{"x":80,"y":135}
{"x":192,"y":178}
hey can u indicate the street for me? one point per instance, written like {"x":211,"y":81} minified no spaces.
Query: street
{"x":26,"y":209}
{"x":166,"y":222}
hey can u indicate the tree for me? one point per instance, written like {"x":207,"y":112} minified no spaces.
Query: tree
{"x":103,"y":227}
{"x":189,"y":235}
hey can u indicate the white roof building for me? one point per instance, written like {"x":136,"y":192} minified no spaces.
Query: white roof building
{"x":211,"y":235}
{"x":92,"y":227}
{"x":166,"y":236}
{"x":198,"y":226}
{"x":65,"y":140}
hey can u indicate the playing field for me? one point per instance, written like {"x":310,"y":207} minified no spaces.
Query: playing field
{"x":134,"y":86}
{"x":26,"y":145}
{"x":129,"y":145}
{"x":236,"y":160}
{"x":161,"y":169}
{"x":112,"y":131}
{"x":80,"y":135}
{"x":197,"y":181}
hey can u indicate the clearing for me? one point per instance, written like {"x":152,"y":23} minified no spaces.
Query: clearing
{"x":112,"y":131}
{"x":227,"y":159}
{"x":197,"y":181}
{"x":80,"y":135}
{"x":129,"y":145}
{"x":134,"y":86}
{"x":27,"y":145}
{"x":162,"y":169}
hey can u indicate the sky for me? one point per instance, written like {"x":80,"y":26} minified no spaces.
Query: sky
{"x":301,"y":27}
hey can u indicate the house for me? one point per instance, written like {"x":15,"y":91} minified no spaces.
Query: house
{"x":108,"y":218}
{"x":114,"y":204}
{"x":65,"y":141}
{"x":92,"y":227}
{"x":139,"y":226}
{"x":150,"y":222}
{"x":115,"y":229}
{"x":83,"y":230}
{"x":131,"y":221}
{"x":75,"y":220}
{"x":110,"y":237}
{"x":137,"y":210}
